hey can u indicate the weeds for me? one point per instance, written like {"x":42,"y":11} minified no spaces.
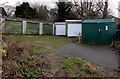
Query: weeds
{"x":38,"y":50}
{"x":78,"y":68}
{"x":19,"y":63}
{"x":26,"y":58}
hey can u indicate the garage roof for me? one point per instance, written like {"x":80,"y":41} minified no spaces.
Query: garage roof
{"x":59,"y":22}
{"x":73,"y":20}
{"x":98,"y":21}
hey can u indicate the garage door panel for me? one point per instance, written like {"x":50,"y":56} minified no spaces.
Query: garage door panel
{"x":74,"y":29}
{"x":60,"y":29}
{"x":90,"y":33}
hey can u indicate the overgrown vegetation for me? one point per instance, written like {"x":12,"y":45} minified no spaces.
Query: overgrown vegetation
{"x":31,"y":57}
{"x":116,"y":47}
{"x":24,"y":56}
{"x":19,"y":63}
{"x":116,"y":44}
{"x":77,"y":67}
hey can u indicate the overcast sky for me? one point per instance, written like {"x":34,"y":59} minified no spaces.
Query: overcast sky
{"x":50,"y":3}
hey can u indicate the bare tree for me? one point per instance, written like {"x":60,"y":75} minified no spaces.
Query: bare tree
{"x":119,"y":9}
{"x":42,"y":11}
{"x":91,"y":9}
{"x":105,"y":11}
{"x":10,"y":10}
{"x":53,"y":14}
{"x":2,"y":21}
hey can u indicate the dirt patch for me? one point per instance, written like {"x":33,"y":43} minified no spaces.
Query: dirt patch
{"x":60,"y":73}
{"x":54,"y":64}
{"x":56,"y":58}
{"x":48,"y":45}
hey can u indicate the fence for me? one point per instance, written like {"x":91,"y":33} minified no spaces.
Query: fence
{"x":24,"y":27}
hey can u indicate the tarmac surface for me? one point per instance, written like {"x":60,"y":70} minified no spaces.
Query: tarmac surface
{"x":101,"y":55}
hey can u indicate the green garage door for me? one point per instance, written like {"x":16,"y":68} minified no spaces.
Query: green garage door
{"x":32,"y":28}
{"x":47,"y":29}
{"x":107,"y":32}
{"x":13,"y":27}
{"x":90,"y":33}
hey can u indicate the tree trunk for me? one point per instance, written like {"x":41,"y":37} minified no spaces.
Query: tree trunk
{"x":105,"y":12}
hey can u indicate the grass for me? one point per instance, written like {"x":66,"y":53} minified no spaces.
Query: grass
{"x":55,"y":43}
{"x":78,"y":68}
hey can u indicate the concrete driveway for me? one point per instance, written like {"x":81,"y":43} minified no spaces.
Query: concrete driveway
{"x":101,"y":55}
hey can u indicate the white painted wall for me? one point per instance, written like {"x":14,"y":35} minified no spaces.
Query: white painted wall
{"x":24,"y":27}
{"x":60,"y":30}
{"x":53,"y":29}
{"x":74,"y":30}
{"x":40,"y":28}
{"x":2,"y":24}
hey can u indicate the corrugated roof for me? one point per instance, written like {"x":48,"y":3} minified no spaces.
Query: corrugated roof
{"x":98,"y":21}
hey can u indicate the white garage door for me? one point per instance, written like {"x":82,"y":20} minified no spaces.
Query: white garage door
{"x":60,"y":29}
{"x":74,"y":29}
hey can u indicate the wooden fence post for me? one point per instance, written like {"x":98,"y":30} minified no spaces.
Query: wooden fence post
{"x":40,"y":28}
{"x":24,"y":27}
{"x":79,"y":37}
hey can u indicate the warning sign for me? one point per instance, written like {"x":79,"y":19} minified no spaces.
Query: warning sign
{"x":106,"y":27}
